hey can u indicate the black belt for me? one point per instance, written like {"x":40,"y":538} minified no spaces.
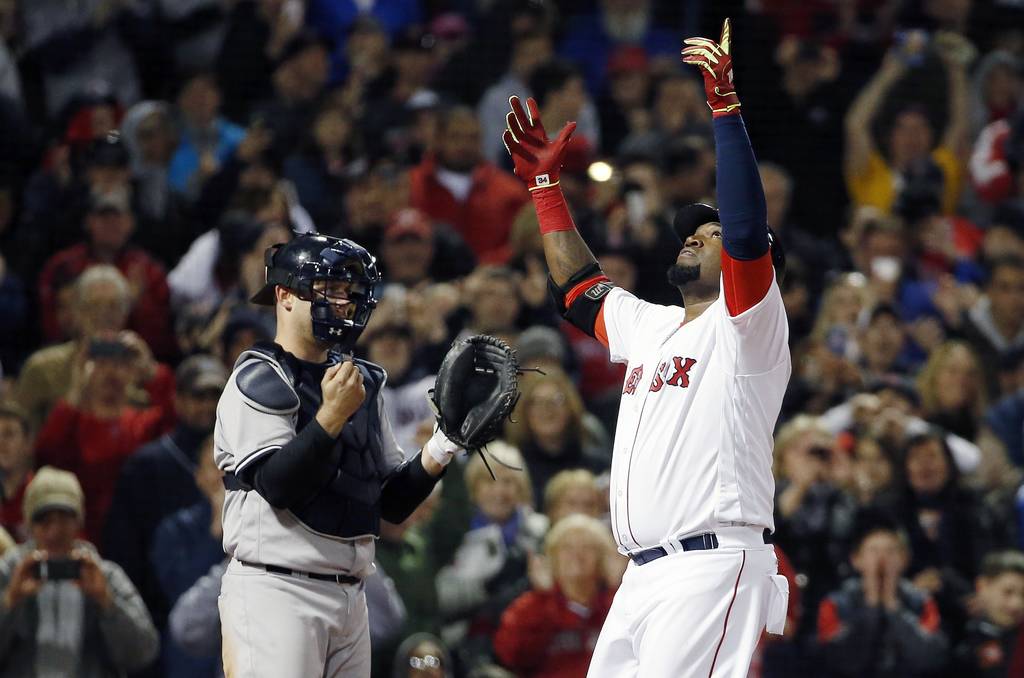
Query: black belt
{"x":276,"y":569}
{"x":700,"y":542}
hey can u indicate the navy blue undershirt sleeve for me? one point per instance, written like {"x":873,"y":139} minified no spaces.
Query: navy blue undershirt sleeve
{"x":741,"y":203}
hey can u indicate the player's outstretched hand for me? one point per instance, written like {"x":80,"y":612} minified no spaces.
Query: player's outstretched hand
{"x":537,"y":159}
{"x":343,"y":393}
{"x":715,"y":62}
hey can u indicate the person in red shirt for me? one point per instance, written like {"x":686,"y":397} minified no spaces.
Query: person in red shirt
{"x":15,"y":467}
{"x":109,"y":225}
{"x":93,"y":429}
{"x":551,"y":631}
{"x":458,"y":187}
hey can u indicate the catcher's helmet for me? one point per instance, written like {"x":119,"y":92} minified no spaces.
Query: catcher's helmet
{"x":688,"y":219}
{"x":313,"y":257}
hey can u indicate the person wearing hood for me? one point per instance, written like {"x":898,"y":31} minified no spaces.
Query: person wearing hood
{"x":998,"y":84}
{"x":159,"y":478}
{"x":946,"y":525}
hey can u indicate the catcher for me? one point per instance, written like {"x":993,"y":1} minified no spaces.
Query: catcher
{"x":311,"y":466}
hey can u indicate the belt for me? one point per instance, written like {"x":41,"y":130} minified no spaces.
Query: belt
{"x":700,"y":542}
{"x":276,"y":569}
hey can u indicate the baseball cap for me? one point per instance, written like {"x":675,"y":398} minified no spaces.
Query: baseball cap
{"x":52,"y":489}
{"x":540,"y":342}
{"x":409,"y":222}
{"x":108,"y":151}
{"x":299,"y":43}
{"x":627,"y":59}
{"x":449,"y":26}
{"x":201,"y":373}
{"x":114,"y":200}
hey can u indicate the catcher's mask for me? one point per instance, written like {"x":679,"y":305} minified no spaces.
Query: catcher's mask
{"x":688,"y":219}
{"x":338,"y":277}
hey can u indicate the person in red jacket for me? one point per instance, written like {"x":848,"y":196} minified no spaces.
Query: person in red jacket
{"x":458,"y":187}
{"x":109,"y":225}
{"x":551,"y":631}
{"x":93,"y":429}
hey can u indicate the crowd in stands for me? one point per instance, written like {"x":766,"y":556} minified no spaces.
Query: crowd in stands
{"x":151,"y":151}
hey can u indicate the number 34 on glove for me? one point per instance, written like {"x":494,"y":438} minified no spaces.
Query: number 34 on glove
{"x":475,"y":392}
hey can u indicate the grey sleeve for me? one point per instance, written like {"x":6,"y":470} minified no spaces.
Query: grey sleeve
{"x":922,"y":650}
{"x":393,"y":453}
{"x":195,"y":618}
{"x":385,"y":608}
{"x":126,"y":627}
{"x":245,"y":432}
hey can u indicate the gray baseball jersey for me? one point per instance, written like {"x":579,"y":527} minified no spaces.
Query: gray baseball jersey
{"x":255,"y":531}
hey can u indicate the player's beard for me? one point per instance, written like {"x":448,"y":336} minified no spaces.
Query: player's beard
{"x":679,"y":276}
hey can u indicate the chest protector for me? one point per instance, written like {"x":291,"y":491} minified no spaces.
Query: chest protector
{"x":349,"y":504}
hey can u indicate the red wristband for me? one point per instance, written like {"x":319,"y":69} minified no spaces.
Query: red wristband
{"x":552,"y":212}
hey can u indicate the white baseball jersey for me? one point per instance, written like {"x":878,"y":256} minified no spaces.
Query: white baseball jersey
{"x":693,"y":444}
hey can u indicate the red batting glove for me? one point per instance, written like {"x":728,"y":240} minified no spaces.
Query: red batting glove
{"x":716,"y":67}
{"x":537,"y":160}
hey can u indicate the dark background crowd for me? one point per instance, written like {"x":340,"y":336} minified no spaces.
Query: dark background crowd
{"x":150,"y":150}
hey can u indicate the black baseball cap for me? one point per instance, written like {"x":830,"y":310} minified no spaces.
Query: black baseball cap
{"x":688,"y":219}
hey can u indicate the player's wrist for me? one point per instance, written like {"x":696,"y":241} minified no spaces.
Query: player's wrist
{"x":330,"y":422}
{"x":440,"y":449}
{"x":552,"y":210}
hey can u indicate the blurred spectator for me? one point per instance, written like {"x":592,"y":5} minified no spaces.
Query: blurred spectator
{"x":93,"y":429}
{"x":678,"y":110}
{"x":458,"y":187}
{"x":997,"y":161}
{"x":997,"y":89}
{"x":561,"y":96}
{"x":66,"y":611}
{"x":952,"y":386}
{"x":300,"y":74}
{"x":797,"y":123}
{"x":256,"y":34}
{"x":813,"y":515}
{"x":883,"y":344}
{"x":947,"y":528}
{"x":90,"y":160}
{"x":151,"y":137}
{"x":543,"y":348}
{"x":207,"y":140}
{"x":109,"y":225}
{"x":994,"y":325}
{"x":333,"y":18}
{"x":99,"y":300}
{"x":573,"y":492}
{"x":415,"y":251}
{"x":16,"y":465}
{"x":81,"y":49}
{"x":552,"y":629}
{"x":591,"y":38}
{"x":321,"y":166}
{"x":529,"y":51}
{"x":911,"y":144}
{"x":878,"y":624}
{"x":991,"y":646}
{"x":392,"y":346}
{"x":492,"y":298}
{"x":186,"y":544}
{"x":422,"y":655}
{"x":623,"y":104}
{"x":489,"y":568}
{"x":158,"y":479}
{"x":550,"y":431}
{"x":195,"y":620}
{"x":846,"y":301}
{"x":403,"y":556}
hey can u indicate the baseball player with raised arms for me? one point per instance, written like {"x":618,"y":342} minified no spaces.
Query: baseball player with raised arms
{"x":311,"y":466}
{"x":691,"y":480}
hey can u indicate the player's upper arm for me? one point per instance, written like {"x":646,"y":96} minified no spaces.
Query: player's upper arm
{"x":255,"y":415}
{"x":756,"y":340}
{"x":627,"y":320}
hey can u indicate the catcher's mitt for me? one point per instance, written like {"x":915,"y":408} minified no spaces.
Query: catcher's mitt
{"x":476,"y":389}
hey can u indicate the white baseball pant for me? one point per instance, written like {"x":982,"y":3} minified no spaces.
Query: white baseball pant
{"x":694,"y":614}
{"x":286,"y":626}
